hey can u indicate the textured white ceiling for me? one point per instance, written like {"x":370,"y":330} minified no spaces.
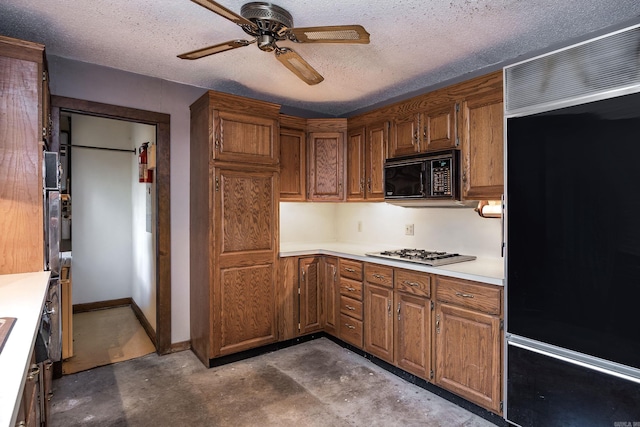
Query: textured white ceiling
{"x":415,"y":44}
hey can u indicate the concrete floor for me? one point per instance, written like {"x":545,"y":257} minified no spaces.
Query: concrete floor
{"x":317,"y":383}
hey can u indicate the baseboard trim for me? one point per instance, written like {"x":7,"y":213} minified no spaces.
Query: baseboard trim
{"x":101,"y":305}
{"x":180,"y":346}
{"x":424,"y":384}
{"x":247,"y":354}
{"x":151,"y":333}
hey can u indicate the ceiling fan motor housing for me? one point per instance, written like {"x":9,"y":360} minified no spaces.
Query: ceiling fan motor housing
{"x":272,"y":23}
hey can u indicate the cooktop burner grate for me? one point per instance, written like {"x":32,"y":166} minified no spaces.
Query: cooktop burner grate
{"x":421,"y":256}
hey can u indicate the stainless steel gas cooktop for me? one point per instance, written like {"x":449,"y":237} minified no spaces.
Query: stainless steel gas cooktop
{"x":421,"y":256}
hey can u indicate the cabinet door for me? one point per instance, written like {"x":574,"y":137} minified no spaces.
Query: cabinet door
{"x":405,"y":136}
{"x":293,"y":165}
{"x":439,"y":128}
{"x":310,"y":292}
{"x":245,"y":138}
{"x":375,"y":156}
{"x":21,"y":167}
{"x":378,"y":322}
{"x":326,"y":166}
{"x":331,"y":291}
{"x":288,"y":298}
{"x":356,"y":164}
{"x":483,"y":147}
{"x":413,"y":334}
{"x":245,"y":223}
{"x":468,"y":354}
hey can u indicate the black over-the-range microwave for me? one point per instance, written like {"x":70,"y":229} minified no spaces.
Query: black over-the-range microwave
{"x":427,"y":177}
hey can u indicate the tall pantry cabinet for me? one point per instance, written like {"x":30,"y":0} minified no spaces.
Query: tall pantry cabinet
{"x":24,"y":126}
{"x":233,"y":224}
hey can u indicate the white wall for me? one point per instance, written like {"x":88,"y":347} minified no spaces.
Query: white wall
{"x":449,"y":229}
{"x":308,"y":222}
{"x":113,"y":254}
{"x":100,"y":84}
{"x":101,"y":225}
{"x":143,"y":266}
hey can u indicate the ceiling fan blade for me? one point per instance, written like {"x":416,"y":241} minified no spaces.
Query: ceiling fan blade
{"x":217,"y":48}
{"x":330,"y":34}
{"x":224,"y":12}
{"x":298,"y":66}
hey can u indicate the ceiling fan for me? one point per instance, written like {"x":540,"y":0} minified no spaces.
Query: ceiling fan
{"x":268,"y":24}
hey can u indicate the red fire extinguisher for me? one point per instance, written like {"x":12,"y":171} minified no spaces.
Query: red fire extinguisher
{"x":144,"y":174}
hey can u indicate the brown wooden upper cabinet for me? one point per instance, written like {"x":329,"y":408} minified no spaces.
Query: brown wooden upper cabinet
{"x":482,"y":147}
{"x":404,"y":135}
{"x":326,"y":146}
{"x":366,"y":153}
{"x":428,"y":130}
{"x":293,"y":158}
{"x":244,"y":130}
{"x":24,"y":118}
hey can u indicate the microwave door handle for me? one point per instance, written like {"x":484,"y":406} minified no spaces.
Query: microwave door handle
{"x":422,"y":183}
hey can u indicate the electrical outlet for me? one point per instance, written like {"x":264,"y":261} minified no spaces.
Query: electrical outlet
{"x":408,"y":230}
{"x":359,"y":226}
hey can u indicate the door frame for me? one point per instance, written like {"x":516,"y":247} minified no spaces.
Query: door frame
{"x":163,"y":180}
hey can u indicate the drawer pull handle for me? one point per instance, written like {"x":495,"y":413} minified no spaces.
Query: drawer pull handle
{"x":414,"y":284}
{"x":350,"y":308}
{"x":349,"y":326}
{"x":350,"y":289}
{"x":35,"y":371}
{"x":460,"y":294}
{"x":378,"y":276}
{"x":350,"y":270}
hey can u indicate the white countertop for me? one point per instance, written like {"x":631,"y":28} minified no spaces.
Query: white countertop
{"x":484,"y":270}
{"x":21,"y":296}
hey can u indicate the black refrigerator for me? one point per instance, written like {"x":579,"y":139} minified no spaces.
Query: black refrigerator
{"x":572,"y":226}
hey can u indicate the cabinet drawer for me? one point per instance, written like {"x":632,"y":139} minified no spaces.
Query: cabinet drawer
{"x":351,"y":307}
{"x":351,"y":269}
{"x":351,"y":330}
{"x":414,"y":283}
{"x":378,"y":275}
{"x":473,"y":295}
{"x":351,"y":288}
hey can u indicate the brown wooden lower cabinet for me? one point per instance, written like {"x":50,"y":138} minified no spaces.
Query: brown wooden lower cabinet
{"x":413,"y":334}
{"x":330,"y":281}
{"x":34,"y":408}
{"x":310,"y":295}
{"x":351,"y":330}
{"x":468,"y":341}
{"x":378,"y":334}
{"x":350,"y":327}
{"x":445,"y":330}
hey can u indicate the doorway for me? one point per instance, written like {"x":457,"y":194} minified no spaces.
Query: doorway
{"x":107,"y":229}
{"x":161,"y":336}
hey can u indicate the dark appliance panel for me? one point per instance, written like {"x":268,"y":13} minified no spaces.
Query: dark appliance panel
{"x":405,"y":179}
{"x":573,"y":222}
{"x":545,"y":391}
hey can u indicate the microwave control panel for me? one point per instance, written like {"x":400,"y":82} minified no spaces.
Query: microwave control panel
{"x":441,"y":174}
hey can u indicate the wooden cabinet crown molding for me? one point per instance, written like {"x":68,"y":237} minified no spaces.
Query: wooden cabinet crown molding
{"x":22,"y":49}
{"x":441,"y":96}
